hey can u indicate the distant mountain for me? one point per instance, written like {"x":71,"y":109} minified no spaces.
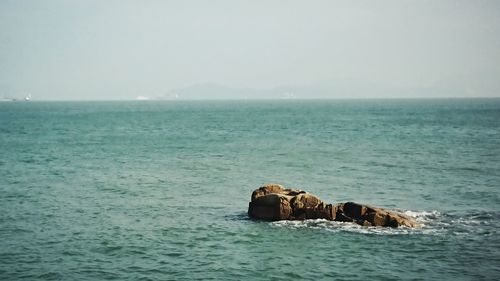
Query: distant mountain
{"x":340,"y":89}
{"x":219,"y":92}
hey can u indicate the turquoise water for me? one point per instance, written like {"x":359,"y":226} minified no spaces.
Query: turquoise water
{"x":159,"y":190}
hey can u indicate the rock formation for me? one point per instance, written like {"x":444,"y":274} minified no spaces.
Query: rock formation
{"x":274,"y":202}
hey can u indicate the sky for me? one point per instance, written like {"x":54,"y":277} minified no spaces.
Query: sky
{"x":102,"y":50}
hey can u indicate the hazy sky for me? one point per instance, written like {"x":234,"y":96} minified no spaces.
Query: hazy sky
{"x":122,"y":49}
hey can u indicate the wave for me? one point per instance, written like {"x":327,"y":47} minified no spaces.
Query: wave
{"x":431,"y":223}
{"x":333,"y":226}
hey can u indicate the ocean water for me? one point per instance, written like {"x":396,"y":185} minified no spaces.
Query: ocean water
{"x":160,"y":190}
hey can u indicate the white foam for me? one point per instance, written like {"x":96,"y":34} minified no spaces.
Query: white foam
{"x":333,"y":226}
{"x":422,"y":214}
{"x":426,"y":219}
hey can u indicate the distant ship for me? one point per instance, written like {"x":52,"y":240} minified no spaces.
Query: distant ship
{"x":28,"y":97}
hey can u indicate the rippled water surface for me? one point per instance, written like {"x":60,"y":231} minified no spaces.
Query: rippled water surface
{"x":159,"y":190}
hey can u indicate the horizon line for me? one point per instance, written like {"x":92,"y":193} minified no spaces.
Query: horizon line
{"x":251,"y":99}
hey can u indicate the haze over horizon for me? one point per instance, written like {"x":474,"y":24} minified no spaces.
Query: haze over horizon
{"x":106,"y":50}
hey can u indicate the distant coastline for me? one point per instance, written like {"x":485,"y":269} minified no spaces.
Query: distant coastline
{"x":331,"y":90}
{"x":153,"y":100}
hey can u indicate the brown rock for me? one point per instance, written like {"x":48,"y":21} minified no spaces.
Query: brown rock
{"x":401,"y":220}
{"x":354,"y":210}
{"x":305,"y":200}
{"x":274,"y":188}
{"x":377,"y":218}
{"x":374,"y":215}
{"x":270,"y":207}
{"x":274,"y":202}
{"x":366,"y":223}
{"x":320,"y":211}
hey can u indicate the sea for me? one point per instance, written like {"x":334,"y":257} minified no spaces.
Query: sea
{"x":159,"y":190}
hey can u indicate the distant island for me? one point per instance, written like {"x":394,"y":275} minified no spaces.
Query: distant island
{"x":343,"y":89}
{"x":10,"y":98}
